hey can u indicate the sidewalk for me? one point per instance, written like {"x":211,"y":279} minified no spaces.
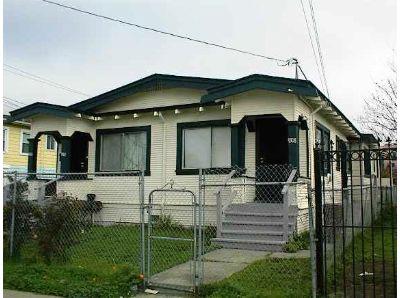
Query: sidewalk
{"x":18,"y":294}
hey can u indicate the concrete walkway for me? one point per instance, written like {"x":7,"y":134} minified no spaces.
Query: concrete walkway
{"x":18,"y":294}
{"x":218,"y":265}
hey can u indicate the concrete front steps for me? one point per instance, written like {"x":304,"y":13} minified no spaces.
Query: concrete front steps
{"x":255,"y":226}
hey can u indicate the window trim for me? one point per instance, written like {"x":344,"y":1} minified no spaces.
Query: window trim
{"x":5,"y":148}
{"x":100,"y":132}
{"x":179,"y":145}
{"x":55,"y":143}
{"x":21,"y":139}
{"x":325,"y":130}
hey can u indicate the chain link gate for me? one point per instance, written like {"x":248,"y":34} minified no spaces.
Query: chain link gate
{"x":355,"y":203}
{"x":171,"y":240}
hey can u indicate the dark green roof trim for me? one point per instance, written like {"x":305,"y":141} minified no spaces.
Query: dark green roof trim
{"x":153,"y":82}
{"x":264,"y":82}
{"x":40,"y":108}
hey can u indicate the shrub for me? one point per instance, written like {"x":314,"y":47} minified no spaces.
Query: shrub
{"x":63,"y":219}
{"x":167,"y":222}
{"x":298,"y":242}
{"x":25,"y":215}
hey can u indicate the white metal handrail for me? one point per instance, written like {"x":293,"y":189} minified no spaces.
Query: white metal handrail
{"x":221,"y":208}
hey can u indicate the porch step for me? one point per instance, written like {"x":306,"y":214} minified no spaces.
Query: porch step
{"x":253,"y":235}
{"x":246,"y":225}
{"x":258,"y":216}
{"x":259,"y":208}
{"x":264,"y":245}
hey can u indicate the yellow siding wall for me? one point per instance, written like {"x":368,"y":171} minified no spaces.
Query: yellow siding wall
{"x":46,"y":158}
{"x":13,"y":159}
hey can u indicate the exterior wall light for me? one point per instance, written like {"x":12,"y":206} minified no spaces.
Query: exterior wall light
{"x":135,"y":115}
{"x":116,"y":117}
{"x":155,"y":113}
{"x":201,"y":109}
{"x":177,"y":111}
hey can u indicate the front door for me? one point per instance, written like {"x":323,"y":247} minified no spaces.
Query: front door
{"x":79,"y":153}
{"x":271,"y":154}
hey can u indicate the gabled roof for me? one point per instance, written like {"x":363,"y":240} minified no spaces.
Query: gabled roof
{"x":40,"y":108}
{"x":216,"y":89}
{"x":264,"y":82}
{"x":153,"y":82}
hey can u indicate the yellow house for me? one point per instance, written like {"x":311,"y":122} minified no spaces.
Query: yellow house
{"x":16,"y":148}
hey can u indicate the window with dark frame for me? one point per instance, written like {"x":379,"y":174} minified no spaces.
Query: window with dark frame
{"x":123,"y":149}
{"x":24,"y":142}
{"x":322,"y":138}
{"x":367,"y":163}
{"x":203,"y":145}
{"x":50,"y":142}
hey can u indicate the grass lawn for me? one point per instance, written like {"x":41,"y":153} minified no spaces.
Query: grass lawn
{"x":103,"y":264}
{"x":375,"y":252}
{"x":266,"y":278}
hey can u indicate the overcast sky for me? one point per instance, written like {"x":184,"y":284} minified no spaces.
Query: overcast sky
{"x":358,"y":39}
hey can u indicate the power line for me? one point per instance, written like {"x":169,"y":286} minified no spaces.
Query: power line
{"x":165,"y":32}
{"x":16,"y":101}
{"x":11,"y":104}
{"x":312,"y":44}
{"x":33,"y":77}
{"x":318,"y":45}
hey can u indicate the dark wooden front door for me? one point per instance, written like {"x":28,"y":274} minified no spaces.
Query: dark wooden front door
{"x":79,"y":153}
{"x":271,"y":152}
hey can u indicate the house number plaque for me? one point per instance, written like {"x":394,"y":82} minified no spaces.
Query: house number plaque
{"x":292,"y":140}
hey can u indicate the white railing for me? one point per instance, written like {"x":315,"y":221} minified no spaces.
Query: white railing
{"x":220,"y":207}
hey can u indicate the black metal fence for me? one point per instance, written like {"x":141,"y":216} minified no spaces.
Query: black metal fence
{"x":355,"y":197}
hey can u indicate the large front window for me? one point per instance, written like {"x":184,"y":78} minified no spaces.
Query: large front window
{"x":206,"y":147}
{"x":323,"y":138}
{"x":123,"y":151}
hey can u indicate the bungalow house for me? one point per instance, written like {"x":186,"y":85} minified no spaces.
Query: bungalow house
{"x":172,"y":126}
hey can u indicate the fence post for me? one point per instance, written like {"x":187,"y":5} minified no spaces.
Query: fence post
{"x":319,"y":253}
{"x":312,"y":239}
{"x":142,"y":225}
{"x":12,"y":228}
{"x":286,"y":215}
{"x":219,"y":214}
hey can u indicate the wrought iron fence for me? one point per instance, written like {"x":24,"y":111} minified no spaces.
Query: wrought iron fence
{"x":356,"y":222}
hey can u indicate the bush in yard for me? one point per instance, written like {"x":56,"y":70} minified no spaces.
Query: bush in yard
{"x":63,"y":219}
{"x":25,"y":215}
{"x":167,"y":222}
{"x":298,"y":242}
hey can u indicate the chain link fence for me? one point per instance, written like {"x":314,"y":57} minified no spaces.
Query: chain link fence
{"x":86,"y":223}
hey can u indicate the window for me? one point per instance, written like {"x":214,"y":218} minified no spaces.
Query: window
{"x":323,"y":139}
{"x":50,"y":142}
{"x":203,"y":145}
{"x":367,"y":163}
{"x":125,"y":149}
{"x":25,"y":135}
{"x":5,"y":139}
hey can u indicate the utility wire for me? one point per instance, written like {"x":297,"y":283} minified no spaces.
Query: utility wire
{"x":14,"y":100}
{"x":312,"y":44}
{"x":11,"y":104}
{"x":165,"y":32}
{"x":33,"y":77}
{"x":318,"y":45}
